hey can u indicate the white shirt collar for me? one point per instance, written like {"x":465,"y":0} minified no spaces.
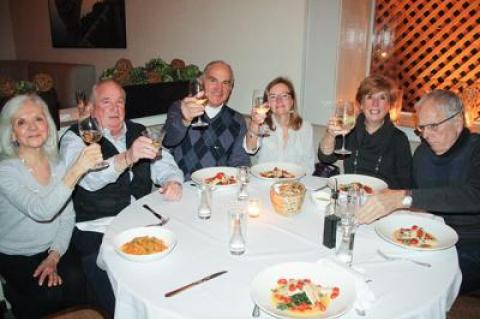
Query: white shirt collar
{"x":213,"y":111}
{"x":121,"y":139}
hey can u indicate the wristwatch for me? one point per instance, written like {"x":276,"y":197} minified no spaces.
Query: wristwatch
{"x":407,"y":199}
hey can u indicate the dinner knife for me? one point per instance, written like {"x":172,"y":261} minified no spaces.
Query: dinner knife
{"x":153,"y":212}
{"x":178,"y":290}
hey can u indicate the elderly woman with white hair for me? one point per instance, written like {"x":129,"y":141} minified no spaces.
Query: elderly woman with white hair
{"x":36,"y":215}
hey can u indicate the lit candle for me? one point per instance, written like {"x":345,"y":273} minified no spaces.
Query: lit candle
{"x":253,"y":208}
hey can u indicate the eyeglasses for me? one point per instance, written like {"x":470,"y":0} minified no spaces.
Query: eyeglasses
{"x":434,"y":126}
{"x":283,"y":97}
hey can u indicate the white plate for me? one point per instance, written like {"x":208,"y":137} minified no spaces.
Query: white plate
{"x":375,"y":183}
{"x":295,"y":169}
{"x":446,"y":236}
{"x":323,"y":274}
{"x":199,"y":176}
{"x":166,"y":235}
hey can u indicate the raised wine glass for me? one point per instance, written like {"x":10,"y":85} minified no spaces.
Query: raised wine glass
{"x":91,"y":132}
{"x":261,"y":107}
{"x":194,"y":88}
{"x":156,"y":134}
{"x":345,"y":117}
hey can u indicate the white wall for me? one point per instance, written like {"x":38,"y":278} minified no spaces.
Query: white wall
{"x":260,"y":38}
{"x":336,"y":51}
{"x":354,"y":46}
{"x":320,"y":59}
{"x":7,"y":47}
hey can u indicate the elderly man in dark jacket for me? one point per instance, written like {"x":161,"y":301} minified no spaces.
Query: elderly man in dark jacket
{"x":446,"y":173}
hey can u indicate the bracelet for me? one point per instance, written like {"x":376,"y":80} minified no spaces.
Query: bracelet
{"x":129,"y":165}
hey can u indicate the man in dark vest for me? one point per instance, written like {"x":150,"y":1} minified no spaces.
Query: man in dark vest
{"x":218,"y":144}
{"x":130,"y":176}
{"x":446,"y":174}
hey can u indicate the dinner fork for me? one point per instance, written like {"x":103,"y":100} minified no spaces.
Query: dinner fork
{"x":256,"y":311}
{"x":390,"y":258}
{"x":163,"y":220}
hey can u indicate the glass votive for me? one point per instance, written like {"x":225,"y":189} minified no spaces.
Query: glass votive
{"x":253,"y":207}
{"x":205,"y":204}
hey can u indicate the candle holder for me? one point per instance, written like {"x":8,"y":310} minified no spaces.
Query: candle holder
{"x":253,"y":207}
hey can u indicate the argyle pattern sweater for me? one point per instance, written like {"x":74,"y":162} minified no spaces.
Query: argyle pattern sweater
{"x":219,"y":144}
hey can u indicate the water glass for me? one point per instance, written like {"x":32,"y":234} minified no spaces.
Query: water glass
{"x":243,"y":178}
{"x":237,"y":230}
{"x":346,"y":208}
{"x":205,"y":205}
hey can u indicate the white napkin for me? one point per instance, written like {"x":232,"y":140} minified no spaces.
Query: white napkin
{"x":313,"y":182}
{"x":321,"y":198}
{"x":98,"y":225}
{"x":365,"y":297}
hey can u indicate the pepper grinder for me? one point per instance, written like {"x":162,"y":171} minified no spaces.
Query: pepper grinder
{"x":331,"y":220}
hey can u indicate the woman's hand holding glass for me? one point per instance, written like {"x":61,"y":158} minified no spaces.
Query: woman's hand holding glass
{"x":259,"y":113}
{"x":345,"y":119}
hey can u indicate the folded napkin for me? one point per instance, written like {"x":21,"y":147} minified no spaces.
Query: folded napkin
{"x":365,"y":297}
{"x":313,"y":182}
{"x":98,"y":225}
{"x":321,"y":198}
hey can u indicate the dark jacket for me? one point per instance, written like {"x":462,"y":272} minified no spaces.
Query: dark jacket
{"x":384,"y":154}
{"x":114,"y":197}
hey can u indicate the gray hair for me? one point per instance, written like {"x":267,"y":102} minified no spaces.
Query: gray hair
{"x":448,"y":102}
{"x":212,"y":63}
{"x":93,"y":95}
{"x":8,"y":148}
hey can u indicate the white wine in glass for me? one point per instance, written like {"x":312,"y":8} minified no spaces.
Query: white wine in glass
{"x":91,"y":132}
{"x":156,"y":134}
{"x":195,"y":86}
{"x":261,"y":107}
{"x":345,"y":117}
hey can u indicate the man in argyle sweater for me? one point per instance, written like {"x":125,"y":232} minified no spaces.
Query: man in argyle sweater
{"x":219,"y":144}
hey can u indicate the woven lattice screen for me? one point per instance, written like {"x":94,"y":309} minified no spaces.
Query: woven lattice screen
{"x":427,"y":44}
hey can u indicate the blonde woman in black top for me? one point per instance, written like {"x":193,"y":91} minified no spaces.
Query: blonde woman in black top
{"x":379,"y":149}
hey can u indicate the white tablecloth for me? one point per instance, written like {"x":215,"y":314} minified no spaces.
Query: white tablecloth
{"x":402,"y":289}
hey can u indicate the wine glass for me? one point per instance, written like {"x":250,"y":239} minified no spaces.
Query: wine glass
{"x":194,"y":88}
{"x":82,"y":103}
{"x":261,"y":107}
{"x":345,"y":117}
{"x":156,"y":134}
{"x":91,"y":132}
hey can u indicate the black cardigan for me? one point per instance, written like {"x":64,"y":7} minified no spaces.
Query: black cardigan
{"x":385,"y":154}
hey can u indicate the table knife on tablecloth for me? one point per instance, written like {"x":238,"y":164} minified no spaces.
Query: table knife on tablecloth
{"x":204,"y":279}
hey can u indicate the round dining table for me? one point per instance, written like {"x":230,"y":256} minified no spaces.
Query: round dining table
{"x":402,"y":289}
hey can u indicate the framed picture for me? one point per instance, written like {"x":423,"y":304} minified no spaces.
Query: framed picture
{"x":87,"y":23}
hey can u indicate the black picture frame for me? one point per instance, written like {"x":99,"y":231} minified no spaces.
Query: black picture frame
{"x":79,"y":24}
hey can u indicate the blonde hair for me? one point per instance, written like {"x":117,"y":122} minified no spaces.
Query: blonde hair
{"x":377,"y":83}
{"x":8,"y":148}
